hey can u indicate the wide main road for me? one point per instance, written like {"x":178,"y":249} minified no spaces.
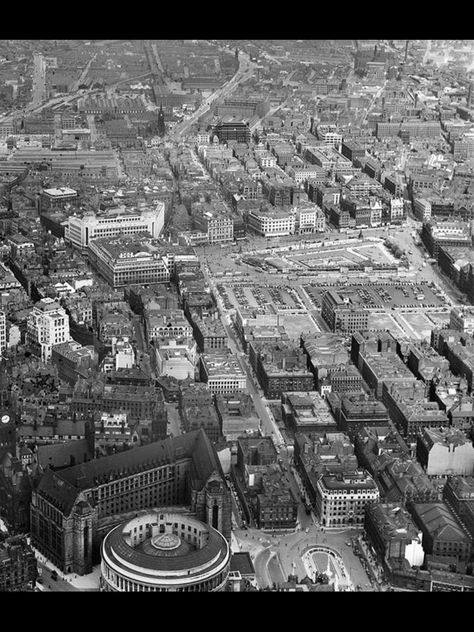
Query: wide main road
{"x":268,"y":423}
{"x":39,"y":79}
{"x":245,"y":71}
{"x":267,"y":420}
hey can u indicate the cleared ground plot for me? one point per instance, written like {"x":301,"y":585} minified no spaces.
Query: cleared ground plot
{"x":438,"y":318}
{"x":387,"y":321}
{"x":420,"y":323}
{"x":296,"y":324}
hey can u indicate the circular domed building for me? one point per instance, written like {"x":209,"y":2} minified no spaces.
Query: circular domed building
{"x":164,"y":552}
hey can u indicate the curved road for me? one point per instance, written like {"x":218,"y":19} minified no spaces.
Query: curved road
{"x":245,"y":71}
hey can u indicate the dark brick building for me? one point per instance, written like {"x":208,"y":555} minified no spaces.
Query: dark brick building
{"x":18,"y":567}
{"x":280,"y":368}
{"x":73,"y":509}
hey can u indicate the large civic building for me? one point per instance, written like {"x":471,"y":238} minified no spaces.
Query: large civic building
{"x":164,"y":552}
{"x":74,"y":508}
{"x":113,"y":222}
{"x":129,"y":260}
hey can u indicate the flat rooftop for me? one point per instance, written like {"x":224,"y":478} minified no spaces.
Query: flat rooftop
{"x":60,"y":191}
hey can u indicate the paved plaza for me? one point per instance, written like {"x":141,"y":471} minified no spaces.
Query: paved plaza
{"x":289,"y":550}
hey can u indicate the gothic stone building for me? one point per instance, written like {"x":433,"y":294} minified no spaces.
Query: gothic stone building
{"x":73,"y":509}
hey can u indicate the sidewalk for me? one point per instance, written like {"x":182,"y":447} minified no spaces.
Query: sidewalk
{"x":81,"y":582}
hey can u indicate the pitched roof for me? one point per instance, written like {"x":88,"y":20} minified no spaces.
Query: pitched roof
{"x":59,"y":454}
{"x":440,"y":522}
{"x":62,"y":487}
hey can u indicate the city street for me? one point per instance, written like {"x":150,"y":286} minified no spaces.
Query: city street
{"x":245,"y":71}
{"x":51,"y":585}
{"x":416,"y":255}
{"x":269,"y":426}
{"x":268,"y":423}
{"x":290,"y":549}
{"x":39,"y":80}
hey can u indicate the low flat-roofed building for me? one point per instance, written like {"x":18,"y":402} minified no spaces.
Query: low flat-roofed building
{"x":341,"y":499}
{"x":443,"y":534}
{"x":459,"y":490}
{"x":462,"y":319}
{"x":222,"y":373}
{"x":393,"y":534}
{"x":425,"y":362}
{"x":445,"y":451}
{"x":307,"y":412}
{"x":341,"y":379}
{"x":445,"y":233}
{"x":280,"y":368}
{"x":379,"y":369}
{"x":114,"y":429}
{"x":358,"y":411}
{"x":237,"y":415}
{"x":316,"y":455}
{"x":241,"y":562}
{"x":143,"y":403}
{"x":410,"y":410}
{"x":255,"y":451}
{"x":209,"y":333}
{"x":460,"y":409}
{"x":197,"y":410}
{"x":73,"y":360}
{"x":270,"y":334}
{"x":166,"y":323}
{"x":176,"y":357}
{"x":374,"y":341}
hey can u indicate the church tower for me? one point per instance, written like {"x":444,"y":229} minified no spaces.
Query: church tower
{"x":161,"y":122}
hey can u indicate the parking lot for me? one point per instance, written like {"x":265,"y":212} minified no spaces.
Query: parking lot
{"x":396,"y":294}
{"x":248,"y":296}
